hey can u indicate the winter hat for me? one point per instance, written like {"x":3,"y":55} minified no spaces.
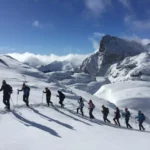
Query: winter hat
{"x":4,"y":82}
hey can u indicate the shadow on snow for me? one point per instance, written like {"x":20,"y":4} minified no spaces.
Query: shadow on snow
{"x":29,"y":123}
{"x":50,"y":119}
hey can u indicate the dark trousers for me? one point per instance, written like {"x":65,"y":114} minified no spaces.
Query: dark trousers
{"x":141,"y":125}
{"x":61,"y":102}
{"x":105,"y":118}
{"x":116,"y":120}
{"x":6,"y":101}
{"x":48,"y":100}
{"x":26,"y":99}
{"x":127,"y":123}
{"x":81,"y":110}
{"x":90,"y":113}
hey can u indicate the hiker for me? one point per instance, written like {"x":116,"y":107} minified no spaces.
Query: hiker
{"x":91,"y":108}
{"x":48,"y":96}
{"x":26,"y":93}
{"x":7,"y":90}
{"x":117,"y":116}
{"x":81,"y":105}
{"x":127,"y":116}
{"x":105,"y":112}
{"x":61,"y":98}
{"x":141,"y":119}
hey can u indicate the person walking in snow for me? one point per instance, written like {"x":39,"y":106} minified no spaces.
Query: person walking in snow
{"x":117,"y":116}
{"x":61,"y":98}
{"x":26,"y":93}
{"x":141,"y":119}
{"x":127,"y":116}
{"x":81,"y":105}
{"x":48,"y":96}
{"x":105,"y":112}
{"x":7,"y":90}
{"x":91,"y":108}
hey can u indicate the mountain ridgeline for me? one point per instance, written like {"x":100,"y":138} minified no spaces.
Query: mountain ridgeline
{"x":112,"y":50}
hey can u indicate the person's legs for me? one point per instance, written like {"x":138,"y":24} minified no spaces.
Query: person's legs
{"x":115,"y":120}
{"x":77,"y":110}
{"x":48,"y":100}
{"x":81,"y":109}
{"x":24,"y":98}
{"x":118,"y":121}
{"x":4,"y":100}
{"x":107,"y":119}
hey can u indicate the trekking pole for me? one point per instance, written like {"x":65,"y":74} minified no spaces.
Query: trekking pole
{"x":12,"y":102}
{"x":42,"y":97}
{"x":17,"y":98}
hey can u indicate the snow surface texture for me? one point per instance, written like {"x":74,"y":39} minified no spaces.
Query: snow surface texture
{"x":131,"y":68}
{"x":41,"y":127}
{"x":112,"y":50}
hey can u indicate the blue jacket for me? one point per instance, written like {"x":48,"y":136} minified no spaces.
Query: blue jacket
{"x":141,"y":117}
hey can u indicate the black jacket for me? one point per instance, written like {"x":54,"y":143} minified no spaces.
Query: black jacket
{"x":48,"y":93}
{"x":61,"y":95}
{"x":6,"y":89}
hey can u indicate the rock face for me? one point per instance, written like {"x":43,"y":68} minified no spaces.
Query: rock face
{"x":112,"y":49}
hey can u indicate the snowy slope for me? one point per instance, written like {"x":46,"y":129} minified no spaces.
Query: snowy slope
{"x":40,"y":127}
{"x":131,"y":94}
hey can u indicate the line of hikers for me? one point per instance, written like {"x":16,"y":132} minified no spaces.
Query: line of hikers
{"x":105,"y":112}
{"x":7,"y":91}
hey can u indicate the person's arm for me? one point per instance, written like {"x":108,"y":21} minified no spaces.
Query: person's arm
{"x":20,"y":90}
{"x":1,"y":88}
{"x":44,"y":91}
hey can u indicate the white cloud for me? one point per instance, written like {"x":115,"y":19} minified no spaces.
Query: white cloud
{"x":95,"y":44}
{"x":96,"y":7}
{"x":36,"y":24}
{"x":95,"y":39}
{"x":36,"y":60}
{"x":136,"y":23}
{"x":143,"y":41}
{"x":125,"y":3}
{"x":98,"y":34}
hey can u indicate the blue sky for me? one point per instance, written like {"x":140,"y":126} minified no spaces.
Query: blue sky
{"x":69,"y":26}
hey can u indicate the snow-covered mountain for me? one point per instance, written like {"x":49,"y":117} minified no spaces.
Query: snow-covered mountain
{"x":41,"y":127}
{"x":112,"y":49}
{"x":131,"y":68}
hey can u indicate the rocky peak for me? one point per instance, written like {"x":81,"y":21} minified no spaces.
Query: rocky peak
{"x":112,"y":49}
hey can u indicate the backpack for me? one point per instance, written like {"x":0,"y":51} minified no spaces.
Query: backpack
{"x":128,"y":114}
{"x":143,"y":117}
{"x":63,"y":96}
{"x":93,"y":106}
{"x":10,"y":89}
{"x":28,"y":89}
{"x":81,"y":104}
{"x":107,"y":110}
